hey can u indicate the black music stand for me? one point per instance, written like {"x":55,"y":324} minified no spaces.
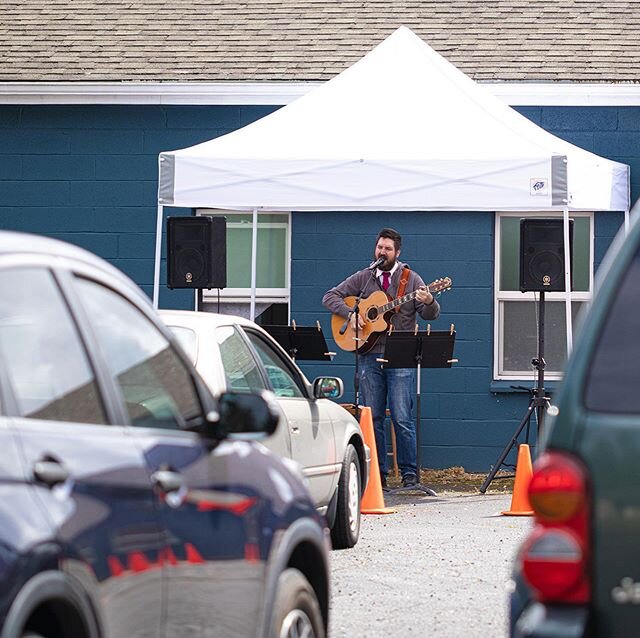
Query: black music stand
{"x":304,"y":343}
{"x":429,"y":349}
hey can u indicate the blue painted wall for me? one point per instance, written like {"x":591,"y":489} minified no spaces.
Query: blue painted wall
{"x":88,"y":174}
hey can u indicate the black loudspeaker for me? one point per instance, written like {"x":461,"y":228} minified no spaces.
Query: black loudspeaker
{"x":197,"y":252}
{"x":542,"y":255}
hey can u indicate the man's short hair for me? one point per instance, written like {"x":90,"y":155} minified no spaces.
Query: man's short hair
{"x":394,"y":235}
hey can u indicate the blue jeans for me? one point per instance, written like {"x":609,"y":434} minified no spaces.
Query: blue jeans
{"x":397,"y":386}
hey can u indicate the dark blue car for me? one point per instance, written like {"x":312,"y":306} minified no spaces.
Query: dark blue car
{"x":133,"y":503}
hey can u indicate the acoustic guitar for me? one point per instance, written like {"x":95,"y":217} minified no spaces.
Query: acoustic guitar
{"x":376,"y":312}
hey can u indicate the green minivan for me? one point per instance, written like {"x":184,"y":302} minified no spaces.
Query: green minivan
{"x":578,"y":572}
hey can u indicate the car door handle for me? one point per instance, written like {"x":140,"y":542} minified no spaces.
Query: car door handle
{"x":295,"y":429}
{"x":50,"y":472}
{"x":167,"y":480}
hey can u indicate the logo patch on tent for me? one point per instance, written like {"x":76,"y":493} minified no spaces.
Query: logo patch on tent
{"x":538,"y":186}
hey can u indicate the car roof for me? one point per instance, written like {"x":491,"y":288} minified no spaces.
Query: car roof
{"x":196,"y":318}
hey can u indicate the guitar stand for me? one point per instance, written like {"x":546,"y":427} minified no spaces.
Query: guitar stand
{"x":304,"y":343}
{"x":429,"y":349}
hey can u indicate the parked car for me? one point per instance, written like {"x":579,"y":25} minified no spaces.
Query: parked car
{"x":235,"y":353}
{"x":578,"y":573}
{"x":132,"y":502}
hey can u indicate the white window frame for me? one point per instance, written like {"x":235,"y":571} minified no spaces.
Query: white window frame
{"x":502,"y":296}
{"x":263,"y":295}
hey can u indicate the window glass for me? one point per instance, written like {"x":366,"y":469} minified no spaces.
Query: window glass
{"x":157,"y":387}
{"x":282,"y":382}
{"x":188,"y":339}
{"x":521,"y":334}
{"x":612,"y":383}
{"x":45,"y":359}
{"x":516,"y":328}
{"x":271,"y":258}
{"x":240,"y":368}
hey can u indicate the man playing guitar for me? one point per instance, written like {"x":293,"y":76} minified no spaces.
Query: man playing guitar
{"x":378,"y":385}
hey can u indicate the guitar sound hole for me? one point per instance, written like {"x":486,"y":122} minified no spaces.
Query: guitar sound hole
{"x":372,"y":314}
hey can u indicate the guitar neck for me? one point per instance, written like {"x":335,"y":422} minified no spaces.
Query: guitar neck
{"x":397,"y":302}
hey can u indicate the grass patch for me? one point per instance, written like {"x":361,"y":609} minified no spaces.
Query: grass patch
{"x":455,"y":479}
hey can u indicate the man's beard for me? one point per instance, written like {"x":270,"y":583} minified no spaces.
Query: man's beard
{"x":388,"y":265}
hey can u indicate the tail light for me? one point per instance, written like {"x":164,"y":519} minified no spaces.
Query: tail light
{"x":555,"y":557}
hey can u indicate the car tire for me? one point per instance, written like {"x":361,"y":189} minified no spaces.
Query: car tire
{"x":296,"y":609}
{"x":346,"y":527}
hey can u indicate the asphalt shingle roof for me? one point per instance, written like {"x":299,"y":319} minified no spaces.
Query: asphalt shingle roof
{"x":312,"y":40}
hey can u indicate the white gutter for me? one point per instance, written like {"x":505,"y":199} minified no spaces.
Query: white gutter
{"x":279,"y":93}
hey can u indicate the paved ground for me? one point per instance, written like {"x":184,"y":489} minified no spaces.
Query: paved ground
{"x":439,"y":567}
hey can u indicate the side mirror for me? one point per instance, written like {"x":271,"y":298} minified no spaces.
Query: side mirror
{"x":328,"y":388}
{"x":246,"y":416}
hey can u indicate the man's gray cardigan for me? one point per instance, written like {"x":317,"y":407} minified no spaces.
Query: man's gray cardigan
{"x":364,"y":282}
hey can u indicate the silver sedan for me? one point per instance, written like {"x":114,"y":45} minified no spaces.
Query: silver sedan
{"x":233,"y":353}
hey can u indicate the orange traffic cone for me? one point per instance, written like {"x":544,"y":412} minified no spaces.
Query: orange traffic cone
{"x":520,"y":505}
{"x":372,"y":500}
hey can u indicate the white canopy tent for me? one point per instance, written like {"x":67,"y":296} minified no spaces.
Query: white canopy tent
{"x":400,"y":130}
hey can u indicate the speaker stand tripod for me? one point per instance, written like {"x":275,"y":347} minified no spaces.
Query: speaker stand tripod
{"x":538,"y":403}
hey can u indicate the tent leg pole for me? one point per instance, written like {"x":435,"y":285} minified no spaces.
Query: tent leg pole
{"x":156,"y":265}
{"x":567,"y":280}
{"x":254,"y":249}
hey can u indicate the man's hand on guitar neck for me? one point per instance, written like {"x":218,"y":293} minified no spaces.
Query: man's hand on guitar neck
{"x":424,"y":296}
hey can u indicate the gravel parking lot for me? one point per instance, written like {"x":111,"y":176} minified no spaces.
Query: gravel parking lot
{"x":438,"y":567}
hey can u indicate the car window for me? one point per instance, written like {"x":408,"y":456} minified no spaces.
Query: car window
{"x":241,"y":370}
{"x":188,"y":339}
{"x":45,"y":359}
{"x":158,"y":389}
{"x":282,"y":381}
{"x":612,"y":381}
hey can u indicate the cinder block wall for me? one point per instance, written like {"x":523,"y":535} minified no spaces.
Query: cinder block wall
{"x":88,"y":174}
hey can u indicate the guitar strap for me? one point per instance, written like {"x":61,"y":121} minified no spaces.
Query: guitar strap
{"x":404,"y":280}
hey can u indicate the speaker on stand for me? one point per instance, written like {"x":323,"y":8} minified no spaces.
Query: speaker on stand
{"x":541,"y":270}
{"x":197,"y":253}
{"x":542,"y":254}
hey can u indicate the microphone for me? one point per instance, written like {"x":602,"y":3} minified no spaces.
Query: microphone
{"x":378,"y":262}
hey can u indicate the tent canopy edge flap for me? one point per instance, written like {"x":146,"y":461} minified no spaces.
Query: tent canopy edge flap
{"x":166,"y":178}
{"x":522,"y":183}
{"x":559,"y":182}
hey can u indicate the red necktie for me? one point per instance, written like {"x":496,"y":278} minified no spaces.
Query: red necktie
{"x":385,"y":281}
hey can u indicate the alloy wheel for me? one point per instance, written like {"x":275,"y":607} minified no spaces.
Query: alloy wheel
{"x":297,"y":624}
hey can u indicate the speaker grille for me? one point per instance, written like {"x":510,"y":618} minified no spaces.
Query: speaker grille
{"x":190,"y":265}
{"x":546,"y":268}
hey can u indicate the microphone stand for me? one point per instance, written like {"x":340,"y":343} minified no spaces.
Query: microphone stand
{"x":356,"y":381}
{"x":356,"y":311}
